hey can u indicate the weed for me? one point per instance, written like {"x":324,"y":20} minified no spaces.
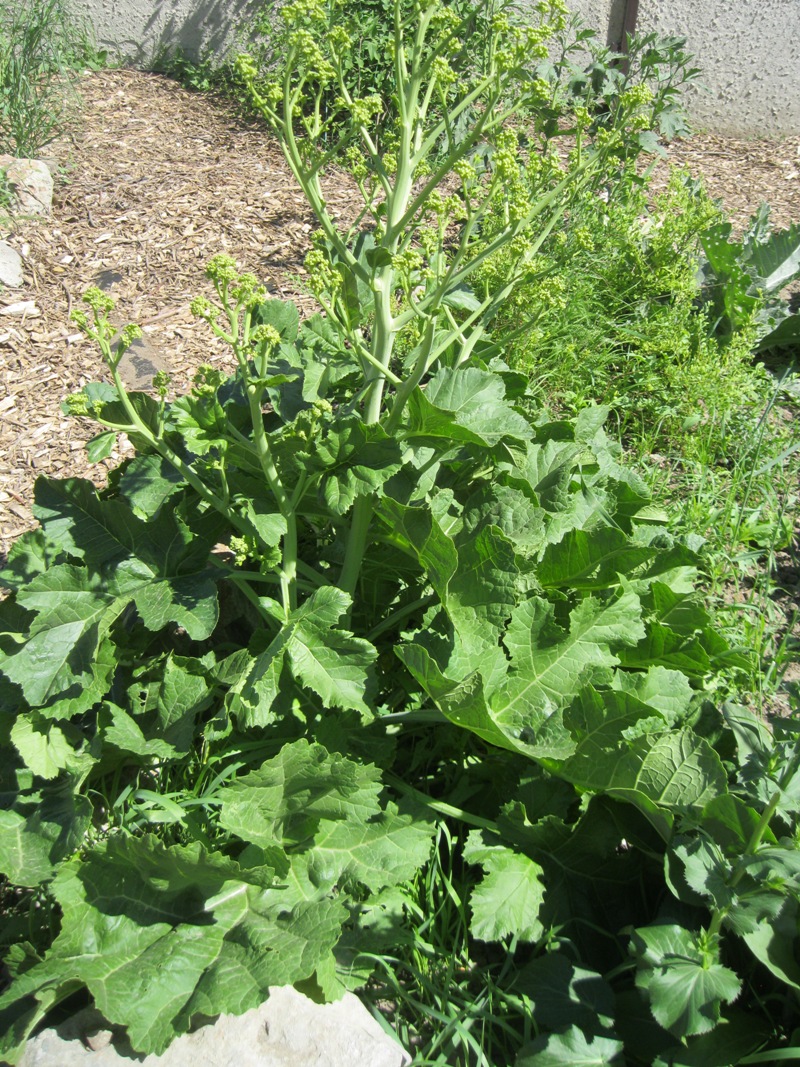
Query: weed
{"x":42,"y":49}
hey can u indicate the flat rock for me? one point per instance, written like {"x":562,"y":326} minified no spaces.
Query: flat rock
{"x":10,"y":266}
{"x":140,"y":364}
{"x":288,"y":1030}
{"x":31,"y":185}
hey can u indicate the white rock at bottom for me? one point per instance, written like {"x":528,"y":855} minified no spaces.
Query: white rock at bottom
{"x":288,"y":1030}
{"x":10,"y":266}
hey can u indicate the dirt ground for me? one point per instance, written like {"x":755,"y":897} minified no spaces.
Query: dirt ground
{"x":153,"y":182}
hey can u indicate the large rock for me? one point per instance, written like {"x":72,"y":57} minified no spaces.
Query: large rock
{"x":31,"y":185}
{"x":288,"y":1030}
{"x":10,"y":266}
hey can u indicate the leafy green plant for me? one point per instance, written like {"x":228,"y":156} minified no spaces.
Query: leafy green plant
{"x":742,"y":280}
{"x":660,"y":66}
{"x":360,"y":593}
{"x":609,"y":311}
{"x":42,"y":48}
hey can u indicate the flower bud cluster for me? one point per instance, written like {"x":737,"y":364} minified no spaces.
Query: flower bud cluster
{"x":101,"y":303}
{"x":221,"y":269}
{"x":207,"y":380}
{"x":77,"y":404}
{"x":161,"y":382}
{"x":323,"y":278}
{"x":364,"y":108}
{"x":266,"y":336}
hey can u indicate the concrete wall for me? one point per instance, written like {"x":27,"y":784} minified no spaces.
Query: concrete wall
{"x":142,"y":30}
{"x":749,"y":53}
{"x":749,"y":50}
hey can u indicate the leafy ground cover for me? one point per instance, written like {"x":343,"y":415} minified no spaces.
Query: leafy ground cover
{"x":366,"y":669}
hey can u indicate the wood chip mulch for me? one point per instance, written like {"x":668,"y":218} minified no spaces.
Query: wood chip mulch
{"x":154,"y":182}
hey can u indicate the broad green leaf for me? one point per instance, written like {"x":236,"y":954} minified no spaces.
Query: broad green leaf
{"x":353,"y":459}
{"x":684,"y":980}
{"x":777,"y":260}
{"x":565,"y":994}
{"x":308,"y":799}
{"x":42,"y":745}
{"x":465,"y":405}
{"x":201,"y":423}
{"x":572,"y":1049}
{"x":331,"y":662}
{"x":74,"y":518}
{"x":75,"y":701}
{"x":159,"y":934}
{"x":482,"y":592}
{"x":669,"y":692}
{"x":737,"y":1034}
{"x":147,"y":482}
{"x":189,"y":601}
{"x":512,"y":510}
{"x":582,"y":560}
{"x":32,"y":845}
{"x":549,"y":663}
{"x":125,"y":734}
{"x":705,"y":869}
{"x":183,"y":694}
{"x":56,"y":661}
{"x":74,"y":612}
{"x":663,"y":647}
{"x":682,"y":771}
{"x":753,"y":738}
{"x":29,"y":555}
{"x":464,"y":702}
{"x":282,"y":314}
{"x":506,"y":902}
{"x":417,"y":531}
{"x":677,"y":770}
{"x":101,"y":446}
{"x":774,"y":943}
{"x":732,"y":824}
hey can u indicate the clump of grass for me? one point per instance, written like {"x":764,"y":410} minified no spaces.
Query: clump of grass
{"x":43,"y":47}
{"x":450,"y":1000}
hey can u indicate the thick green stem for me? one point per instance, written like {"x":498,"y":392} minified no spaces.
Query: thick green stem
{"x":289,"y":555}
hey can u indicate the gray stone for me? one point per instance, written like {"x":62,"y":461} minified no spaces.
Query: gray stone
{"x":10,"y":266}
{"x":140,"y":364}
{"x":31,"y":185}
{"x":288,"y":1030}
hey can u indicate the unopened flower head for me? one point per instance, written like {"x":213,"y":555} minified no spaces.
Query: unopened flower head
{"x":129,"y":334}
{"x":221,"y":269}
{"x":101,"y":303}
{"x":266,"y":335}
{"x":203,"y":308}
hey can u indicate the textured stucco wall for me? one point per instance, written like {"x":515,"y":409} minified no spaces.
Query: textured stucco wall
{"x":749,"y":50}
{"x":749,"y":53}
{"x":141,"y":30}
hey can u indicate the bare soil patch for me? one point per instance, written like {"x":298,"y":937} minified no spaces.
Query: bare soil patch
{"x":154,"y":182}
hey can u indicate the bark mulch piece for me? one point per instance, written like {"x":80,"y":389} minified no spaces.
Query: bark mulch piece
{"x":154,"y":182}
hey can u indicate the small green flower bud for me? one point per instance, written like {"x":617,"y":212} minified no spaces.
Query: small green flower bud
{"x":101,"y":303}
{"x":129,"y":334}
{"x":266,"y":335}
{"x":77,"y":404}
{"x":160,"y":383}
{"x":203,"y":308}
{"x":221,"y":268}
